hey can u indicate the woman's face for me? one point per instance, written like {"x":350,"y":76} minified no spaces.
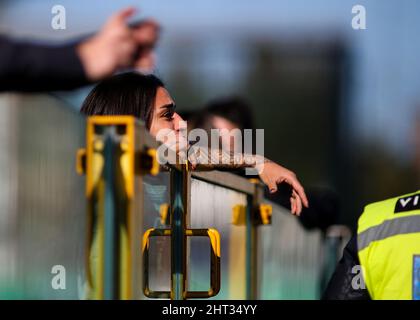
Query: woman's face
{"x":165,"y":118}
{"x":164,"y":115}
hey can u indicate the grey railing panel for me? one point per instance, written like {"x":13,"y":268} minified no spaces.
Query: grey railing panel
{"x":42,"y":207}
{"x":211,"y":207}
{"x":227,"y":180}
{"x":290,"y":258}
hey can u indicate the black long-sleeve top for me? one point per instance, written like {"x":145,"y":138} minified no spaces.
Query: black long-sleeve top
{"x":27,"y":67}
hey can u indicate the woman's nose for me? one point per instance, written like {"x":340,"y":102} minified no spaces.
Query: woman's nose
{"x":179,"y":123}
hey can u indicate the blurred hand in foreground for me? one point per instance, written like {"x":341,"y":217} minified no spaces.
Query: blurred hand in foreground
{"x":117,"y":46}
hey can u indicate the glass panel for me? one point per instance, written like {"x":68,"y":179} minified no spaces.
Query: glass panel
{"x":156,"y":215}
{"x":42,"y":203}
{"x":211,"y":207}
{"x":290,"y":258}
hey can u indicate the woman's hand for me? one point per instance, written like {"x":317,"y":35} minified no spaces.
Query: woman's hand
{"x":273,"y":174}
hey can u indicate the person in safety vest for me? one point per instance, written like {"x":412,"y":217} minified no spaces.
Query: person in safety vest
{"x":383,"y":260}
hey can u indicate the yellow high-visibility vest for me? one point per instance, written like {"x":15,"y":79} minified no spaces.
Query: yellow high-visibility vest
{"x":388,"y":240}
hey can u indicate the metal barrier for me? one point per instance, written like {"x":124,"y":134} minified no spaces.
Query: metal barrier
{"x":137,"y":232}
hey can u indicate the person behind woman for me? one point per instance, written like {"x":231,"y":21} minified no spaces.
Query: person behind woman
{"x":145,"y":97}
{"x":233,"y":113}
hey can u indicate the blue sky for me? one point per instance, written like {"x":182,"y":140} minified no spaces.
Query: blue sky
{"x":386,"y":91}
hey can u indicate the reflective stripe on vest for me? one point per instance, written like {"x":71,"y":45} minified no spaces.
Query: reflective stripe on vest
{"x":388,"y":229}
{"x":388,"y":243}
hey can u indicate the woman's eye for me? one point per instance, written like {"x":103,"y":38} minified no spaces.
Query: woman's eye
{"x":169,"y":115}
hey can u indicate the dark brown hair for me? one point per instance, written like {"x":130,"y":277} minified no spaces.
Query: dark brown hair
{"x":128,"y":93}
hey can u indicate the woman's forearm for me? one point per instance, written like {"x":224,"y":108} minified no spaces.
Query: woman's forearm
{"x":210,"y":159}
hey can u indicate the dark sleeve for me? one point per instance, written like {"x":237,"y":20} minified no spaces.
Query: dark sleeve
{"x":340,"y":285}
{"x":34,"y":68}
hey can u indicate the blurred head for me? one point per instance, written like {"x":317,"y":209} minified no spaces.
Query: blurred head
{"x":142,"y":96}
{"x":229,"y":114}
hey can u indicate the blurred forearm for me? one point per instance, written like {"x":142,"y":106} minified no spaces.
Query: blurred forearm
{"x":31,"y":68}
{"x":210,"y":159}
